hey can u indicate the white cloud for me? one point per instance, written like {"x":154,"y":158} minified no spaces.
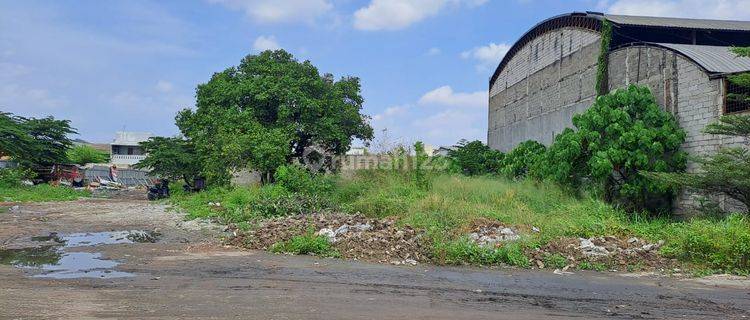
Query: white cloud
{"x":275,"y":11}
{"x":449,"y":126}
{"x":433,"y":51}
{"x":399,"y":14}
{"x":390,"y":112}
{"x":443,"y":118}
{"x":164,"y":86}
{"x":264,"y":43}
{"x":444,"y":96}
{"x":487,"y":56}
{"x":29,"y":99}
{"x":717,"y":9}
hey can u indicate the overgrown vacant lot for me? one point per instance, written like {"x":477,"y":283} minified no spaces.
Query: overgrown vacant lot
{"x":550,"y":227}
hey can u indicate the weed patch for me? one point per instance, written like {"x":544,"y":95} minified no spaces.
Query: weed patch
{"x":308,"y":243}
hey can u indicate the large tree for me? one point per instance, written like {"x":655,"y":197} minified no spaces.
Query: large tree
{"x":269,"y":110}
{"x":171,"y":158}
{"x":35,"y":142}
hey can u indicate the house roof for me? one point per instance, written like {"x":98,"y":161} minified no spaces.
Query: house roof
{"x":638,"y":29}
{"x":714,"y":59}
{"x":678,"y":22}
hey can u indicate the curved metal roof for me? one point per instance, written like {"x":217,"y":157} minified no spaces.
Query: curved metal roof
{"x":679,"y":23}
{"x":593,"y":21}
{"x":716,"y":60}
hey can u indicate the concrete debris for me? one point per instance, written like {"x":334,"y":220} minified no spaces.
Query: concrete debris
{"x":15,"y":208}
{"x":629,"y":253}
{"x":343,"y":229}
{"x":353,"y":236}
{"x":588,"y":248}
{"x":493,"y":235}
{"x":535,"y":229}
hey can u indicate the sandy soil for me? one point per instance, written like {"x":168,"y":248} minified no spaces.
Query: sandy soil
{"x":189,"y":274}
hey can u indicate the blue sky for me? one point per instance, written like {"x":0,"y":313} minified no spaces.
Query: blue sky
{"x":424,"y":64}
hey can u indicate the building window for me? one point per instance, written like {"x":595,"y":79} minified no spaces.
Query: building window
{"x":130,"y":151}
{"x":115,"y":149}
{"x":738,"y":97}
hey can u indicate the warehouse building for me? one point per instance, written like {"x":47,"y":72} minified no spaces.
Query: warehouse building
{"x":550,"y":74}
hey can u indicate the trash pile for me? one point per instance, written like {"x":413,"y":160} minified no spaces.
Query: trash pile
{"x":611,"y":251}
{"x":353,"y":236}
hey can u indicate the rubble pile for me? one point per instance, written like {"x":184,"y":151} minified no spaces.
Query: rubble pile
{"x":353,"y":236}
{"x":612,"y":251}
{"x":492,"y":235}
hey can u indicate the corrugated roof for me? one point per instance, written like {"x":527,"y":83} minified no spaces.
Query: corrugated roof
{"x":712,"y":58}
{"x":679,"y":22}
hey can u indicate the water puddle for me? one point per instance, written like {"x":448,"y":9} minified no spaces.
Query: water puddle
{"x":51,"y":258}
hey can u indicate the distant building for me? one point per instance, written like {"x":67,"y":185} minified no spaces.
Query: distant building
{"x":125,"y":149}
{"x":356,"y":151}
{"x":442,"y":151}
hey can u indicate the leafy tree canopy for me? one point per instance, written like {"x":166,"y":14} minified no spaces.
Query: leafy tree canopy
{"x":83,"y":154}
{"x":35,"y":142}
{"x":476,"y":158}
{"x":522,"y":159}
{"x":268,"y":110}
{"x":171,"y":158}
{"x":623,"y":134}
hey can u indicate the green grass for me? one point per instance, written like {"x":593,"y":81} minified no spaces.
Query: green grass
{"x":306,"y":244}
{"x":40,"y":193}
{"x":446,"y":211}
{"x":449,"y":207}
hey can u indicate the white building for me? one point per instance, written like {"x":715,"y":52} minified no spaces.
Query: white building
{"x":125,"y":149}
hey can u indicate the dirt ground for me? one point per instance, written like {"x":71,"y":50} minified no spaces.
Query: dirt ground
{"x":187,"y":273}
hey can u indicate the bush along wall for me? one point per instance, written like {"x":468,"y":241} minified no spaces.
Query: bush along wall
{"x":622,"y":135}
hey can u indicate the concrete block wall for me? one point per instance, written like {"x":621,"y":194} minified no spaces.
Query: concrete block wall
{"x":683,"y":88}
{"x":549,"y":80}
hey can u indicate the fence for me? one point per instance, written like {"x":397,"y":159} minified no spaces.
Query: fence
{"x":127,"y":177}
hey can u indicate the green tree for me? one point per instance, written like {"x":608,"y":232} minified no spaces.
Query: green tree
{"x":13,"y":139}
{"x":476,"y":158}
{"x":34,"y":142}
{"x":740,"y":79}
{"x":269,"y":110}
{"x":420,"y":172}
{"x":84,"y":154}
{"x":623,"y":134}
{"x":522,"y":159}
{"x":171,"y":158}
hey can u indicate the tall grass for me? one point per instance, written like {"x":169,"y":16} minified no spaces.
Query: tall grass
{"x":449,"y":207}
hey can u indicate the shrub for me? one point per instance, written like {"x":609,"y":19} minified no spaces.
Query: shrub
{"x":518,"y":162}
{"x":420,"y":176}
{"x":476,"y":158}
{"x":623,"y":134}
{"x":83,"y":154}
{"x":296,"y":178}
{"x":13,"y":177}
